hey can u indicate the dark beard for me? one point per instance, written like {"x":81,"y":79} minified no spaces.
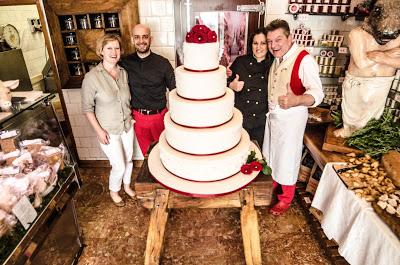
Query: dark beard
{"x":143,"y":52}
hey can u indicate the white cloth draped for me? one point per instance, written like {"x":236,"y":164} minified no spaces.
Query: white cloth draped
{"x":362,"y":236}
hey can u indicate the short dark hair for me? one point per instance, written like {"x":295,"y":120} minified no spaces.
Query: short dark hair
{"x":260,"y":30}
{"x":279,"y":24}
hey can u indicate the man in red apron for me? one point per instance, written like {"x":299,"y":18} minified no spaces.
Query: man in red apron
{"x":293,"y":86}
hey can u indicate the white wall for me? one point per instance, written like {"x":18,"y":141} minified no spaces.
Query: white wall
{"x":159,"y":16}
{"x":32,"y":44}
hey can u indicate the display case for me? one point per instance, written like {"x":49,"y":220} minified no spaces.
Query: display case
{"x":48,"y":233}
{"x":75,"y":26}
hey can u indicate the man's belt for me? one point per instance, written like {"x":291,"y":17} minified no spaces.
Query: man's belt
{"x":148,"y":111}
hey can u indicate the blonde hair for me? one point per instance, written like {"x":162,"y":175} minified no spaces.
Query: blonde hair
{"x":106,"y":39}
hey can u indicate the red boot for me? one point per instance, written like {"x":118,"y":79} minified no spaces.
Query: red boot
{"x":279,"y":208}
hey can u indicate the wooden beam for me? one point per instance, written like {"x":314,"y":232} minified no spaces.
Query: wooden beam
{"x":158,"y":221}
{"x":250,"y":233}
{"x":226,"y":201}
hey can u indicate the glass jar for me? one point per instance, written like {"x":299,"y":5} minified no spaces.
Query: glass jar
{"x":75,"y":54}
{"x":69,"y":24}
{"x":84,"y":23}
{"x":97,"y":22}
{"x":70,"y":39}
{"x":113,"y":21}
{"x":77,"y":69}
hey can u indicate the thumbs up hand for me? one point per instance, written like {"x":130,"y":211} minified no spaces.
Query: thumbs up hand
{"x":289,"y":100}
{"x":236,"y":85}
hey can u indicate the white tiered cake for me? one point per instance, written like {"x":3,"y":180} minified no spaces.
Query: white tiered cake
{"x":203,"y":139}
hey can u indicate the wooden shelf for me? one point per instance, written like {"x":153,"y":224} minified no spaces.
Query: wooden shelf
{"x":125,"y":14}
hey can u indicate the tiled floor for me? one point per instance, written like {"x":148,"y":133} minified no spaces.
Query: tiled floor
{"x":193,"y":236}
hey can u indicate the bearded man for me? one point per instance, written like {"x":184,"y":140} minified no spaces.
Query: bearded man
{"x":375,"y":56}
{"x":150,"y":75}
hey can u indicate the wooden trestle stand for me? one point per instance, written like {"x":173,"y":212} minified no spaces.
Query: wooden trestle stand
{"x":159,"y":199}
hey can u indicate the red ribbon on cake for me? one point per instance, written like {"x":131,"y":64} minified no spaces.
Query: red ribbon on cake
{"x":200,"y":71}
{"x":199,"y":127}
{"x":201,"y":99}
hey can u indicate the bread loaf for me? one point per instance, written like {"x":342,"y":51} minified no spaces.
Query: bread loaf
{"x":391,"y":162}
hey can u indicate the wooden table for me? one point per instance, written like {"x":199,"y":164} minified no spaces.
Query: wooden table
{"x":159,"y":199}
{"x":313,"y":140}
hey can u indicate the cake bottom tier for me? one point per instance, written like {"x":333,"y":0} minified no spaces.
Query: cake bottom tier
{"x":204,"y":167}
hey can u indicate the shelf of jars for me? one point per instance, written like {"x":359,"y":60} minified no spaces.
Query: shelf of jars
{"x":340,"y":8}
{"x":79,"y":33}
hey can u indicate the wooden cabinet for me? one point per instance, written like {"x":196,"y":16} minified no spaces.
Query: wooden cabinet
{"x":76,"y":25}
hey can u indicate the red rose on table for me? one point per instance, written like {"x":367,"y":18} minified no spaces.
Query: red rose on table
{"x":256,"y":166}
{"x":246,"y":169}
{"x":199,"y":37}
{"x":211,"y":36}
{"x":189,"y":37}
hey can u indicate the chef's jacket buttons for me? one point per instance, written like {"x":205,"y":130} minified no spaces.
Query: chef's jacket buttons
{"x":254,"y":114}
{"x":248,"y":101}
{"x":251,"y":63}
{"x":262,"y":77}
{"x":259,"y":89}
{"x":256,"y":102}
{"x":249,"y":75}
{"x":248,"y":90}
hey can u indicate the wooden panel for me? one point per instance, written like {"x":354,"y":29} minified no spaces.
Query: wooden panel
{"x":17,"y":2}
{"x":226,"y":201}
{"x":155,"y":235}
{"x":130,"y":17}
{"x":66,"y":7}
{"x":58,"y":45}
{"x":87,"y":43}
{"x":313,"y":139}
{"x":250,"y":232}
{"x":337,"y":144}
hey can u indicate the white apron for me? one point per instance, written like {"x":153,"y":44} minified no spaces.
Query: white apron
{"x":283,"y":142}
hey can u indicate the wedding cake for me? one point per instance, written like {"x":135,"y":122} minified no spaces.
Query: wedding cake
{"x":203,"y":139}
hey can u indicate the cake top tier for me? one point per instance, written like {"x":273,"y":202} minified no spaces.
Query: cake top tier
{"x":201,"y":34}
{"x":201,"y":49}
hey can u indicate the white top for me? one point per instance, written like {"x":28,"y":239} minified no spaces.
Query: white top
{"x":309,"y":76}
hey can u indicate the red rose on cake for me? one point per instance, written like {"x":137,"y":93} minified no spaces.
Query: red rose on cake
{"x":256,"y":166}
{"x":201,"y":34}
{"x":246,"y":169}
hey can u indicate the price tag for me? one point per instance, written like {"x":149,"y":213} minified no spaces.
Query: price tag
{"x":25,"y":212}
{"x":341,"y":79}
{"x":307,"y":200}
{"x":303,"y":17}
{"x":343,"y":50}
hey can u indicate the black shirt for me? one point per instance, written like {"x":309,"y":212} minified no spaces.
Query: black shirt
{"x":252,"y":99}
{"x":148,"y":79}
